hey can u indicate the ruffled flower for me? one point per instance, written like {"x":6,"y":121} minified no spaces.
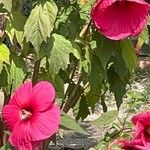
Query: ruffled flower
{"x":118,"y":19}
{"x":31,"y":115}
{"x":142,"y":123}
{"x":136,"y":144}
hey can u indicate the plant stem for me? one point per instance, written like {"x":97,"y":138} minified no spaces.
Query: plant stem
{"x":3,"y":136}
{"x":1,"y":133}
{"x":69,"y":89}
{"x":73,"y":98}
{"x":103,"y":102}
{"x":85,"y":30}
{"x":35,"y":76}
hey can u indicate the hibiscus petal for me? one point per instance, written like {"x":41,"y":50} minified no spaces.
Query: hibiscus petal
{"x":139,"y":130}
{"x":135,"y":118}
{"x":125,"y":21}
{"x":11,"y":116}
{"x":20,"y":137}
{"x":146,"y":142}
{"x":137,"y":147}
{"x":43,"y":96}
{"x":44,"y":125}
{"x":37,"y":145}
{"x":22,"y":95}
{"x":143,"y":118}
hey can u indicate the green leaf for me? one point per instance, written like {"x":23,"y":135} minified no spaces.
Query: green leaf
{"x":96,"y":75}
{"x":143,"y":37}
{"x":145,"y":49}
{"x":100,"y":145}
{"x":17,"y":72}
{"x":128,"y":54}
{"x":58,"y":52}
{"x":6,"y":147}
{"x":83,"y":109}
{"x":40,"y":23}
{"x":117,"y":85}
{"x":105,"y":48}
{"x":124,"y":49}
{"x":92,"y":98}
{"x":7,"y":4}
{"x":15,"y":27}
{"x":85,"y":7}
{"x":18,"y":20}
{"x":3,"y":77}
{"x":71,"y":124}
{"x":106,"y":118}
{"x":4,"y":55}
{"x":59,"y":85}
{"x":119,"y":64}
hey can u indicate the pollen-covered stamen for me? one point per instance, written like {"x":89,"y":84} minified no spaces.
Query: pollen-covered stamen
{"x":25,"y":114}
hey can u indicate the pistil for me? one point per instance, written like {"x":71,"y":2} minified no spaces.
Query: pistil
{"x":25,"y":114}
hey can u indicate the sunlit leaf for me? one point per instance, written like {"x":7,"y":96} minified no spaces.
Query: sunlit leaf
{"x":4,"y":55}
{"x":128,"y":54}
{"x":7,"y":4}
{"x":17,"y":72}
{"x":70,"y":124}
{"x":57,"y":50}
{"x":40,"y":23}
{"x":106,"y":118}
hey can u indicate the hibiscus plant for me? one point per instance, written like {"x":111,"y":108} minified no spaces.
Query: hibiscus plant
{"x":58,"y":56}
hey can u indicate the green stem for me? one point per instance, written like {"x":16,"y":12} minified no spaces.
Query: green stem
{"x":3,"y":136}
{"x":73,"y":98}
{"x":103,"y":102}
{"x":35,"y":76}
{"x":1,"y":133}
{"x":69,"y":89}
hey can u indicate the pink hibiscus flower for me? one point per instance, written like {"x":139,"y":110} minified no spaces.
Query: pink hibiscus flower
{"x":128,"y":145}
{"x":136,"y":144}
{"x":31,"y":115}
{"x":118,"y":19}
{"x":142,"y":123}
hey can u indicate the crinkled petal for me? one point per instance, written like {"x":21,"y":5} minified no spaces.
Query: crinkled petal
{"x":22,"y":95}
{"x":43,"y":96}
{"x":128,"y":145}
{"x":142,"y":2}
{"x":37,"y":145}
{"x":139,"y":130}
{"x":138,"y":147}
{"x":120,"y":19}
{"x":146,"y":142}
{"x":20,"y":137}
{"x":135,"y":119}
{"x":44,"y":125}
{"x":11,"y":115}
{"x":143,"y":118}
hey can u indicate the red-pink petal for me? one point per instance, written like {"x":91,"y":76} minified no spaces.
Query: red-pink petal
{"x":142,"y":118}
{"x":45,"y":124}
{"x":146,"y":142}
{"x":22,"y":95}
{"x":11,"y":116}
{"x":37,"y":145}
{"x":43,"y":96}
{"x":20,"y":137}
{"x":120,"y":19}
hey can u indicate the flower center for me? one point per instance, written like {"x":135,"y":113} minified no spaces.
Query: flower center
{"x":147,"y":129}
{"x":25,"y":114}
{"x":122,"y":4}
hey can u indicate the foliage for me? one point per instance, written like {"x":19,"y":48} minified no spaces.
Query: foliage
{"x":54,"y":40}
